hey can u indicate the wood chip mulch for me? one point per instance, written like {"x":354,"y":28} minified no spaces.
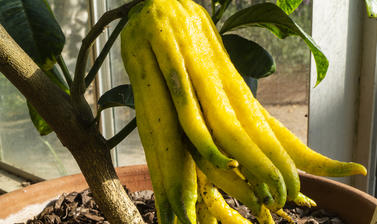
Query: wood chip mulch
{"x":80,"y":208}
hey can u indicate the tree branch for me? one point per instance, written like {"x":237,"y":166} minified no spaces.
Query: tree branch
{"x":122,"y":134}
{"x":97,"y":64}
{"x":64,"y":69}
{"x":78,"y":85}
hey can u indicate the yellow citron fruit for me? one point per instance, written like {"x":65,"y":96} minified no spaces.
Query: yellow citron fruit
{"x":186,"y":89}
{"x":160,"y":132}
{"x":176,"y":32}
{"x":171,"y":37}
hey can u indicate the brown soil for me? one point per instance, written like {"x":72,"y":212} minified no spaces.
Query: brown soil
{"x":80,"y":208}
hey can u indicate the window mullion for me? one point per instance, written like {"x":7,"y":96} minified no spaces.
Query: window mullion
{"x":333,"y":104}
{"x":103,"y":80}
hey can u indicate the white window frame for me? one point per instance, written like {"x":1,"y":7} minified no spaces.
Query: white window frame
{"x":342,"y":107}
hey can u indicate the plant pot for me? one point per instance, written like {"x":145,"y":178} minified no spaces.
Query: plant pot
{"x":352,"y":205}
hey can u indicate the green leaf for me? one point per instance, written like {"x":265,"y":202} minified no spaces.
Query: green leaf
{"x":57,"y":78}
{"x":270,"y":16}
{"x":39,"y":123}
{"x":248,"y":57}
{"x":119,"y":96}
{"x":33,"y":26}
{"x":371,"y":8}
{"x":288,"y":6}
{"x":252,"y":83}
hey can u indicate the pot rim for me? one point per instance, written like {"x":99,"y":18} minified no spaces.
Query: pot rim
{"x":329,"y":194}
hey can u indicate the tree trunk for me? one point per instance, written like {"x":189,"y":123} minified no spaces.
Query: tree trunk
{"x":81,"y":138}
{"x":95,"y":163}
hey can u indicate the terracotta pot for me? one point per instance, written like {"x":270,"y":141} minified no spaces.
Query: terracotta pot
{"x":352,"y":205}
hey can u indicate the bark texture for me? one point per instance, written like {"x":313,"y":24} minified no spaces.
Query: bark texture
{"x":72,"y":128}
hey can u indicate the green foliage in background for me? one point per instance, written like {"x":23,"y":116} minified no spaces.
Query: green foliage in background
{"x":289,"y":54}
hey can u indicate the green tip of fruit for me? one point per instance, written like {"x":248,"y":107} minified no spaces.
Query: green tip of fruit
{"x":355,"y":169}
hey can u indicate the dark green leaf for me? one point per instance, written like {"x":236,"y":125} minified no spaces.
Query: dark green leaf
{"x":57,"y":78}
{"x":33,"y":26}
{"x":119,"y":96}
{"x":252,"y":83}
{"x":273,"y":18}
{"x":248,"y":57}
{"x":39,"y":123}
{"x":371,"y":8}
{"x":288,"y":6}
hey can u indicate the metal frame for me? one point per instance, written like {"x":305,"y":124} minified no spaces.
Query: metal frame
{"x":103,"y":81}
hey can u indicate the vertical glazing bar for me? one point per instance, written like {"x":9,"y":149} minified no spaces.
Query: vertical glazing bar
{"x":103,"y":80}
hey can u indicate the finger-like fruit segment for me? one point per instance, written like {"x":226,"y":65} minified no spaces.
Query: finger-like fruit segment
{"x":204,"y":215}
{"x":216,"y":203}
{"x":265,"y":216}
{"x":181,"y":48}
{"x":230,"y":183}
{"x":189,"y":187}
{"x":258,"y":129}
{"x":261,"y":190}
{"x":243,"y":102}
{"x":285,"y":216}
{"x":158,"y":28}
{"x":158,"y":124}
{"x":307,"y":159}
{"x":165,"y":214}
{"x":305,"y":201}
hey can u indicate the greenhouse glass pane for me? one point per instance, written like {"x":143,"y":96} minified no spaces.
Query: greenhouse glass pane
{"x":20,"y":144}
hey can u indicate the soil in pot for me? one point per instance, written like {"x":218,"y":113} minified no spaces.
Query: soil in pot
{"x":80,"y":208}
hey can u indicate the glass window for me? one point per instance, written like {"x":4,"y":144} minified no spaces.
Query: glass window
{"x":20,"y":144}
